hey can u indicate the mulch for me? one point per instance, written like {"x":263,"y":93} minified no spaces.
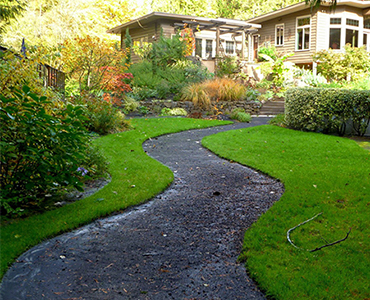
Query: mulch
{"x":183,"y":244}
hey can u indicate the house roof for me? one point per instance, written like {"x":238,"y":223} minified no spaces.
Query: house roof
{"x":302,"y":5}
{"x":226,"y":25}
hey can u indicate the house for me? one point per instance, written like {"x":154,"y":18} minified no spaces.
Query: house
{"x":213,"y":37}
{"x":304,"y":31}
{"x":294,"y":29}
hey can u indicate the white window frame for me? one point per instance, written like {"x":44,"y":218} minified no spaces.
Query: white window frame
{"x":368,"y":40}
{"x":338,"y":26}
{"x":201,"y":47}
{"x":205,"y":48}
{"x":276,"y":35}
{"x":233,"y":47}
{"x":304,"y":28}
{"x":343,"y":26}
{"x":358,"y":28}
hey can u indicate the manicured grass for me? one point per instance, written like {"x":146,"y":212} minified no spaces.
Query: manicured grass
{"x":321,"y":174}
{"x":135,"y":178}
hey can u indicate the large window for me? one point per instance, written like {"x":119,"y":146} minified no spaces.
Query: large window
{"x":279,"y":35}
{"x":229,"y":47}
{"x":209,"y":48}
{"x":352,"y":32}
{"x":334,"y":40}
{"x":335,"y":33}
{"x":303,"y":33}
{"x":352,"y":37}
{"x":198,"y":47}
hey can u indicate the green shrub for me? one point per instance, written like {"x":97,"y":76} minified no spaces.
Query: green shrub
{"x":228,"y":66}
{"x":240,"y":115}
{"x":166,"y":81}
{"x":252,"y":95}
{"x":167,"y":51}
{"x":327,"y":110}
{"x":41,"y":150}
{"x":352,"y":64}
{"x":130,"y":104}
{"x":279,"y":70}
{"x":309,"y":78}
{"x":269,"y":51}
{"x":278,"y":120}
{"x":173,"y":112}
{"x":103,"y":117}
{"x":143,"y":110}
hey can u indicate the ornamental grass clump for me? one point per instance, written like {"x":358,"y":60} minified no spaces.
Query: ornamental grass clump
{"x":197,"y":94}
{"x":218,"y":89}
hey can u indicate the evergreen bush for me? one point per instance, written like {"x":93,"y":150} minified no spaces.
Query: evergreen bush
{"x":327,"y":110}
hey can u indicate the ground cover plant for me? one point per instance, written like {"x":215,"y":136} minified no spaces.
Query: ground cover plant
{"x":321,"y":173}
{"x":135,"y":178}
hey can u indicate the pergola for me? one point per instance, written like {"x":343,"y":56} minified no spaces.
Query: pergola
{"x":221,"y":27}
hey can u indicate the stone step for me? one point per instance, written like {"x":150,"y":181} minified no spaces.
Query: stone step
{"x":272,"y":108}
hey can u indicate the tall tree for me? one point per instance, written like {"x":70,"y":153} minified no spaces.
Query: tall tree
{"x":10,"y":9}
{"x":51,"y":22}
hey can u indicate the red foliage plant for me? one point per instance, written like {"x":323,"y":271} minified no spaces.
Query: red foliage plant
{"x":116,"y":84}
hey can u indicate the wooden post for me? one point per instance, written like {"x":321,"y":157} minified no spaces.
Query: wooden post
{"x":217,"y":47}
{"x":243,"y":45}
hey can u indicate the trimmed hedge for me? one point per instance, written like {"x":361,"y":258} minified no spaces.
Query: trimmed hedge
{"x":327,"y":110}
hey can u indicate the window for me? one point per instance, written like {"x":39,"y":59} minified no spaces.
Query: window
{"x":303,"y":33}
{"x":335,"y":21}
{"x":367,"y":23}
{"x":209,"y":48}
{"x":366,"y":40}
{"x":198,"y":47}
{"x":229,"y":47}
{"x":335,"y":32}
{"x":279,"y":35}
{"x":352,"y":22}
{"x":352,"y":37}
{"x":334,"y":39}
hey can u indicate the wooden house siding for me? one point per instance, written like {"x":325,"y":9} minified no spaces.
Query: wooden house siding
{"x":267,"y":36}
{"x":141,"y":35}
{"x":322,"y":33}
{"x":148,"y":34}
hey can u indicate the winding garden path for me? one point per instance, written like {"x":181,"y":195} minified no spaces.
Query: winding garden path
{"x":183,"y":244}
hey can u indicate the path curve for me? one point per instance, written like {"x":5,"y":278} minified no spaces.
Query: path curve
{"x":181,"y":245}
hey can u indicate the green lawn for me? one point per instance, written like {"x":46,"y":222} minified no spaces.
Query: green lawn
{"x":321,"y":173}
{"x":129,"y":166}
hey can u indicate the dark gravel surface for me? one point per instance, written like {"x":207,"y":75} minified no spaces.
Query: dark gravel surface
{"x":183,"y":244}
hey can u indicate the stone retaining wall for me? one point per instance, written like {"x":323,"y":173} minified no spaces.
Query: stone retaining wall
{"x":155,"y":106}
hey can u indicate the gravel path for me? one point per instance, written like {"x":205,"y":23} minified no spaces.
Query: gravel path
{"x":181,"y":245}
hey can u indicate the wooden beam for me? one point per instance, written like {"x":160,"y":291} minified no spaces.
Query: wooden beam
{"x":240,"y":28}
{"x":243,"y":45}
